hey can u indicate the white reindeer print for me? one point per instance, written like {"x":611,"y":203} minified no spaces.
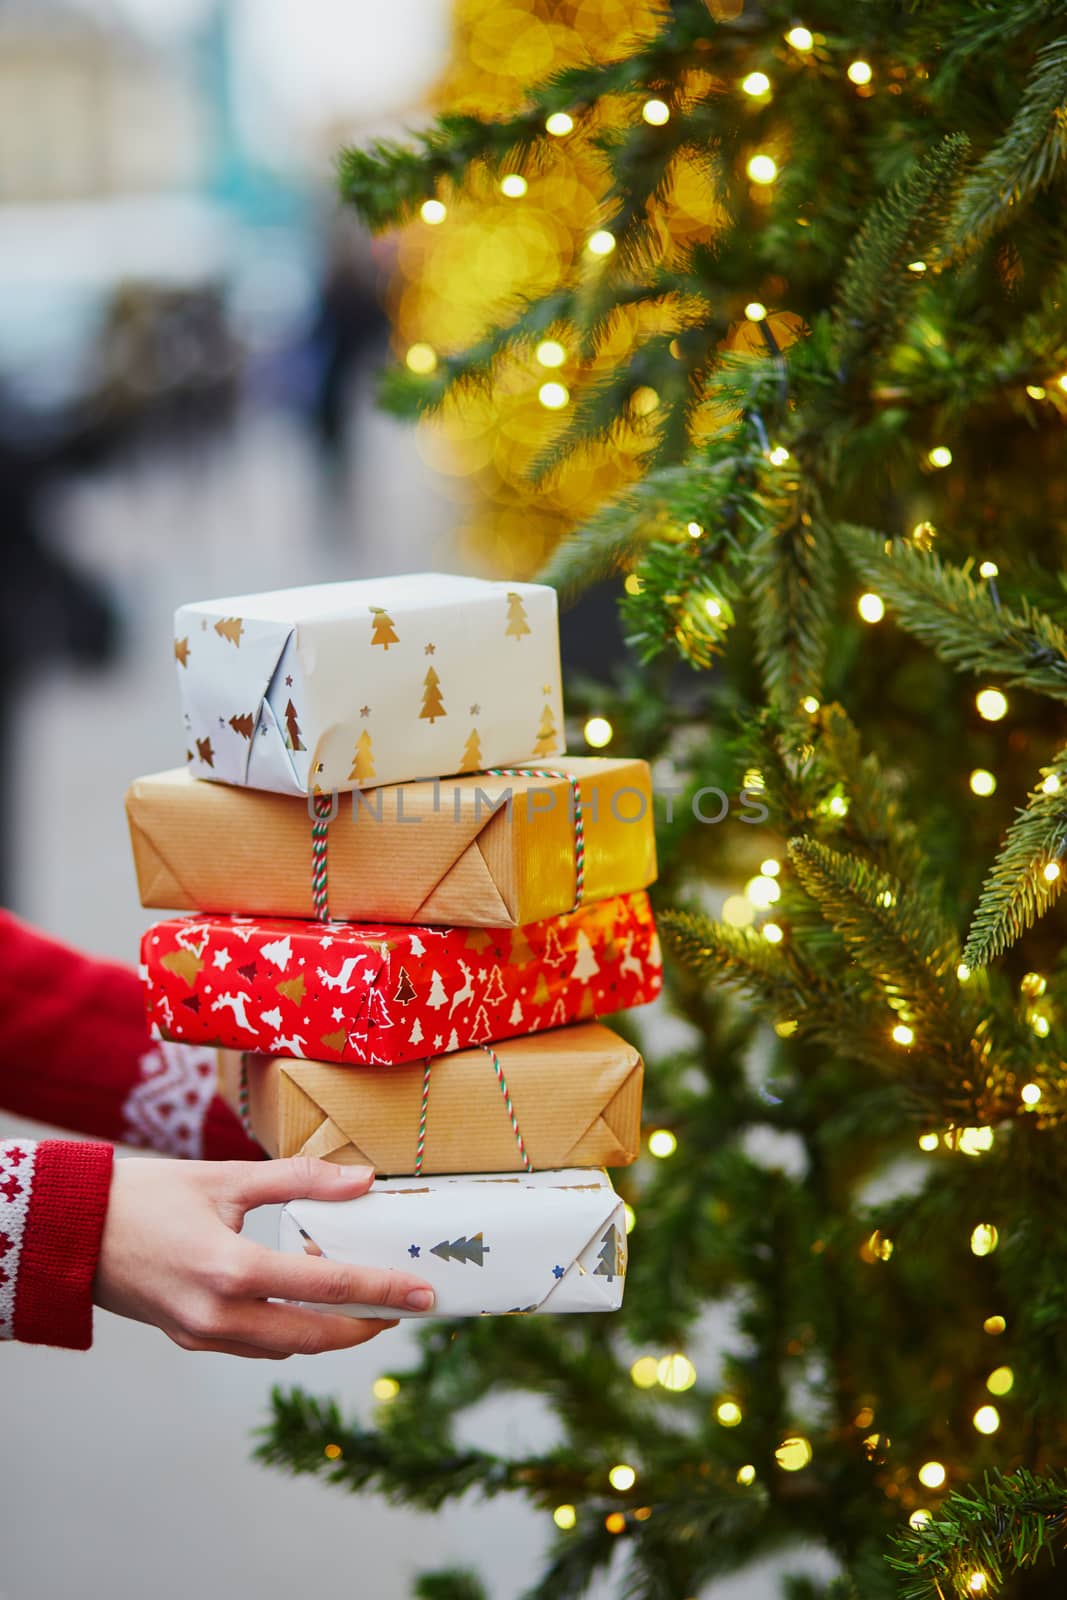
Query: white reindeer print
{"x":630,"y":962}
{"x":236,"y":1003}
{"x":289,"y":1047}
{"x":467,"y":991}
{"x":341,"y":981}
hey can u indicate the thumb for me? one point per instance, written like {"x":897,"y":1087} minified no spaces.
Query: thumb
{"x":265,"y":1183}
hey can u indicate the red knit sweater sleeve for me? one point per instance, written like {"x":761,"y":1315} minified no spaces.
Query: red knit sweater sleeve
{"x":75,"y":1051}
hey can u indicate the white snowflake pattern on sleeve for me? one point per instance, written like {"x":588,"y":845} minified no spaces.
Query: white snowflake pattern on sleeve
{"x":16,"y":1183}
{"x":166,"y":1108}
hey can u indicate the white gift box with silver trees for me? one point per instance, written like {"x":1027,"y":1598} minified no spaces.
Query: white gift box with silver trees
{"x":489,"y":1245}
{"x":349,"y":685}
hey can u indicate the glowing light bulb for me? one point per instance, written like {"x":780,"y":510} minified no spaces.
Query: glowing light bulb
{"x":632,"y":583}
{"x":644,"y":401}
{"x":793,"y":1454}
{"x":550,"y":353}
{"x":622,"y":1477}
{"x":644,"y":1373}
{"x":770,"y":868}
{"x":737,"y":911}
{"x":662,"y":1143}
{"x":677,"y":1373}
{"x":1051,"y":871}
{"x":1041,"y":1026}
{"x":514,"y":185}
{"x":932,"y":1475}
{"x":421,"y":358}
{"x":553,"y":396}
{"x":988,"y":569}
{"x":1036,"y":391}
{"x":920,"y":1518}
{"x":762,"y":168}
{"x":601,"y":243}
{"x":978,"y":1583}
{"x":1051,"y":784}
{"x":615,"y":1522}
{"x":991,"y":704}
{"x":631,"y":1216}
{"x":801,"y":39}
{"x":598,"y":732}
{"x":385,"y":1388}
{"x":918,"y":267}
{"x":859,"y":72}
{"x":984,"y":1239}
{"x":1030,"y":1094}
{"x":809,"y":704}
{"x":871,"y":607}
{"x":975,"y":1141}
{"x":712,"y":607}
{"x":963,"y":972}
{"x":940,"y":456}
{"x":986,"y":1419}
{"x":773,"y":933}
{"x":746,"y":1475}
{"x":433,"y":212}
{"x":1000,"y":1381}
{"x":694,"y":530}
{"x":333,"y":1452}
{"x":763,"y":892}
{"x":928,"y":1141}
{"x":994,"y":1326}
{"x":756,"y":83}
{"x":902,"y":1034}
{"x":558,"y":124}
{"x":1033,"y":984}
{"x":778,"y":456}
{"x":786,"y":1028}
{"x":565,"y":1517}
{"x":728,"y":1413}
{"x":982,"y":782}
{"x":755,"y":311}
{"x":1062,"y":381}
{"x":656,"y":112}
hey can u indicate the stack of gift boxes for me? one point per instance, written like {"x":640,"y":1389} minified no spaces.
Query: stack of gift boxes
{"x":407,"y":910}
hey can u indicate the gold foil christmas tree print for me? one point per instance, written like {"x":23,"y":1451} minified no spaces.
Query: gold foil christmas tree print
{"x":518,"y":622}
{"x":362,"y":759}
{"x":545,"y":742}
{"x":230,"y":628}
{"x":383,"y":629}
{"x":432,"y":704}
{"x":471,"y":759}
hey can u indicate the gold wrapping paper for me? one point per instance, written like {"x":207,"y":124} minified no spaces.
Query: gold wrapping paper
{"x":428,"y":852}
{"x":576,"y":1093}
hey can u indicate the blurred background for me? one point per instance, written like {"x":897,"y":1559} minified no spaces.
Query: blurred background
{"x":189,"y":336}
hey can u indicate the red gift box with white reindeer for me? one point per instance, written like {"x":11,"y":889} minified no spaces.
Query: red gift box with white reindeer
{"x":383,"y":994}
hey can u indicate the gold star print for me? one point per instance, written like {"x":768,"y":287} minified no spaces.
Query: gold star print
{"x":364,"y":711}
{"x":430,"y":649}
{"x":546,"y":688}
{"x":476,"y":711}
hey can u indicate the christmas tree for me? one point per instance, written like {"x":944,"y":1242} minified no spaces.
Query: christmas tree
{"x":383,"y":629}
{"x":471,"y":759}
{"x":546,"y":739}
{"x":432,"y":704}
{"x":810,"y":316}
{"x":517,"y":621}
{"x":362,"y":759}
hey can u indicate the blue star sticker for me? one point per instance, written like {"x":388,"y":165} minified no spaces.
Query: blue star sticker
{"x":414,"y":1251}
{"x":557,"y":1272}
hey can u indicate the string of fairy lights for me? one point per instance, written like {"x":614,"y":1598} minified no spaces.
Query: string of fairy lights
{"x":519,"y":235}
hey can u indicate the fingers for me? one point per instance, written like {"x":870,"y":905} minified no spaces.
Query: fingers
{"x":264,"y":1183}
{"x":293,"y":1330}
{"x":269,"y":1274}
{"x":225,"y":1347}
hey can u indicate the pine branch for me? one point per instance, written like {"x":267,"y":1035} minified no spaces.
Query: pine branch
{"x":1026,"y":159}
{"x":790,"y":582}
{"x":453,"y":1584}
{"x":1017,"y":892}
{"x":735,"y":956}
{"x":876,"y":287}
{"x":959,"y":618}
{"x":1000,"y":1529}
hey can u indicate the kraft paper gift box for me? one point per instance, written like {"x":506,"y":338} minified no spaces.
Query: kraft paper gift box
{"x":349,"y":685}
{"x":575,"y":1094}
{"x":376,"y":993}
{"x":435,"y":852}
{"x":488,"y":1245}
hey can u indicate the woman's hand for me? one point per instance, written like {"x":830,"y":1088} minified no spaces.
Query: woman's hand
{"x":171,"y":1255}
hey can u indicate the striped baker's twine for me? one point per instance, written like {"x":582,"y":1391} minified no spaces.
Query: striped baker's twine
{"x":579,"y":819}
{"x":420,"y":1145}
{"x":319,"y":830}
{"x":244,"y":1110}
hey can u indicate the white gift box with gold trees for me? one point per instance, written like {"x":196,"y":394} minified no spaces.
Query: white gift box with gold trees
{"x":349,"y":685}
{"x":488,"y":1244}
